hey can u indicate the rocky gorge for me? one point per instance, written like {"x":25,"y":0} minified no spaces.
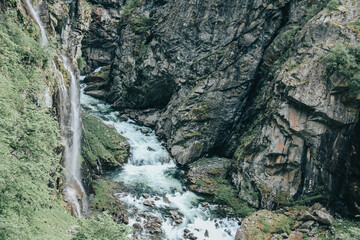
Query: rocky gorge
{"x":257,"y":102}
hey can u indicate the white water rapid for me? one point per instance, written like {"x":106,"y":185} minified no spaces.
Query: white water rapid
{"x":150,"y":170}
{"x":70,"y":122}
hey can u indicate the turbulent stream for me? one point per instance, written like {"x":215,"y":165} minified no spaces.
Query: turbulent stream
{"x":150,"y":170}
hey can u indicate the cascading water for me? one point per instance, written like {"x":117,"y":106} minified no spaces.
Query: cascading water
{"x":70,"y":121}
{"x":151,"y":171}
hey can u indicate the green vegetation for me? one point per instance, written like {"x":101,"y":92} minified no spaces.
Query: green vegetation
{"x":355,"y":26}
{"x":81,"y":63}
{"x":344,"y":61}
{"x":129,"y":7}
{"x":102,"y":144}
{"x":281,"y":198}
{"x":226,"y":194}
{"x":201,"y":111}
{"x":29,"y":134}
{"x":263,"y":224}
{"x":333,"y":4}
{"x":31,"y":205}
{"x":105,"y":199}
{"x":347,"y":230}
{"x":141,"y":24}
{"x":286,"y":41}
{"x":101,"y":227}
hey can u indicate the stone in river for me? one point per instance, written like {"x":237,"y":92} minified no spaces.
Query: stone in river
{"x":148,"y":203}
{"x":145,"y":195}
{"x":137,"y":226}
{"x":151,"y":149}
{"x":166,"y":200}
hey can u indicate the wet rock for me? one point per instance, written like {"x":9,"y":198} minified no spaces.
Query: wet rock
{"x":175,"y":215}
{"x":157,"y":198}
{"x":126,"y":219}
{"x":191,"y":236}
{"x":151,"y":149}
{"x":138,"y":219}
{"x":137,"y":226}
{"x":144,"y":131}
{"x":145,"y":195}
{"x":186,"y":230}
{"x":179,"y":221}
{"x":149,"y":203}
{"x":205,"y":204}
{"x":123,"y":118}
{"x":206,"y":234}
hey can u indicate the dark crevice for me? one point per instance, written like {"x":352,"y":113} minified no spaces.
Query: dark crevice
{"x":246,"y":111}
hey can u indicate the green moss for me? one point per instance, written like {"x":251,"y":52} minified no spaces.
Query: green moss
{"x":103,"y":144}
{"x":105,"y":199}
{"x":355,"y":26}
{"x":81,"y":63}
{"x":226,"y":194}
{"x":201,"y":111}
{"x":263,"y":224}
{"x":281,"y":198}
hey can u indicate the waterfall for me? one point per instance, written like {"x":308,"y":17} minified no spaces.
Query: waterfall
{"x":35,"y":15}
{"x":70,"y":121}
{"x":74,"y":190}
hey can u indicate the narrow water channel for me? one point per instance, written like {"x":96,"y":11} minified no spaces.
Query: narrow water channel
{"x":151,"y":177}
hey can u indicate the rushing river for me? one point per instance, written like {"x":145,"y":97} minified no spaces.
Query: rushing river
{"x":150,"y":170}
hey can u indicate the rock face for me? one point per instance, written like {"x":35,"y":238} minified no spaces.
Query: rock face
{"x":100,"y":40}
{"x":303,"y":138}
{"x":239,"y":79}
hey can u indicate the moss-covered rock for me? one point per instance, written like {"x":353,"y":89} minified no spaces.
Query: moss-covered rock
{"x":105,"y":199}
{"x":206,"y":174}
{"x":264,"y":225}
{"x":97,"y":83}
{"x":103,"y":148}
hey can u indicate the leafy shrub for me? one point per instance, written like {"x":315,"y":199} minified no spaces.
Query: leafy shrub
{"x":101,"y":227}
{"x":81,"y":63}
{"x":345,"y":62}
{"x":333,"y":4}
{"x":141,"y":24}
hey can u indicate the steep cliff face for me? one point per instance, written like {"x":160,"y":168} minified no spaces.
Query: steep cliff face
{"x":302,"y":141}
{"x":247,"y":80}
{"x":100,"y":40}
